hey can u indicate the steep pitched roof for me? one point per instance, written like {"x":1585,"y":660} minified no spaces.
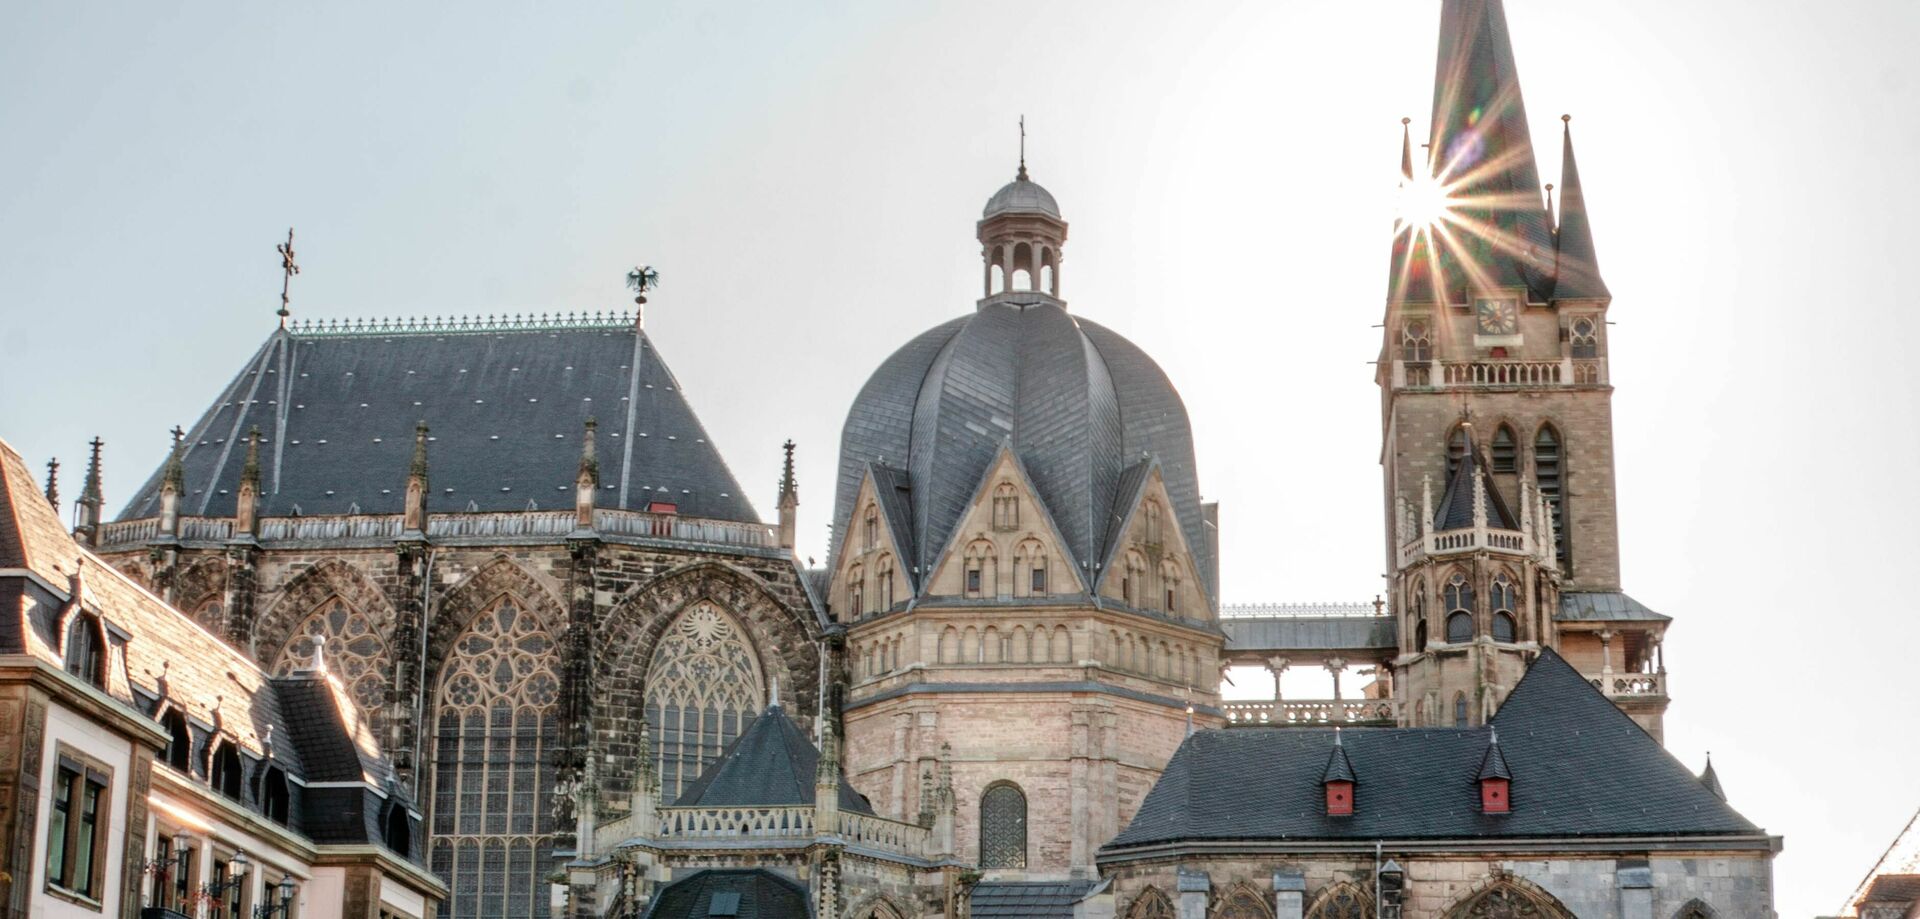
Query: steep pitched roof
{"x":734,"y":893}
{"x":1027,"y":899}
{"x":1580,"y":767}
{"x":1456,"y":505}
{"x":771,"y":764}
{"x":1902,"y":857}
{"x":506,"y":405}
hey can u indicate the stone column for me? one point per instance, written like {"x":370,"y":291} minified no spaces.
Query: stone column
{"x":1635,"y":881}
{"x":1606,"y":651}
{"x":1335,"y":665}
{"x":1193,"y":887}
{"x":576,"y":661}
{"x":403,"y":701}
{"x":238,"y":603}
{"x":1080,"y":849}
{"x":1277,"y":666}
{"x":1289,"y":893}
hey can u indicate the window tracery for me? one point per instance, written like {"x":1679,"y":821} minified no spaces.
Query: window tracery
{"x":1242,"y":902}
{"x":1006,"y":507}
{"x":1341,"y":901}
{"x":703,"y":688}
{"x":1151,"y":903}
{"x":1416,"y":344}
{"x":1502,"y":596}
{"x":1585,"y":344}
{"x":1507,"y":901}
{"x":497,"y":712}
{"x":355,"y":651}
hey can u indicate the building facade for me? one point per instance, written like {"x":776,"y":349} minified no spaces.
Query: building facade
{"x":157,"y":772}
{"x":613,"y":690}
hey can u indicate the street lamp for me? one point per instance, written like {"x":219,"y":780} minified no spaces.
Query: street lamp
{"x":236,"y":876}
{"x":176,"y":862}
{"x":272,"y":910}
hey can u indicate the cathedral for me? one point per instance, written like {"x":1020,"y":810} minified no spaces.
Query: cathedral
{"x":599,"y":684}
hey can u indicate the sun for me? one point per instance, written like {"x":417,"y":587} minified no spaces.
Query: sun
{"x":1425,"y":203}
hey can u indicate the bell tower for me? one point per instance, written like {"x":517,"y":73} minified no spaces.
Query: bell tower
{"x":1021,"y":233}
{"x":1497,"y":427}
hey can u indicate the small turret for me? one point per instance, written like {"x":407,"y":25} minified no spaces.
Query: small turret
{"x":246,"y":508}
{"x":1711,"y":779}
{"x":414,"y":519}
{"x":1338,"y":779}
{"x":789,"y":499}
{"x":586,"y":484}
{"x":87,"y":511}
{"x":826,"y":781}
{"x":1495,"y":778}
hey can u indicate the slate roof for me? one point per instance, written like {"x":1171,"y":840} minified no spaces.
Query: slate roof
{"x":1456,"y":505}
{"x":741,"y":893}
{"x":1902,"y":858}
{"x":1324,"y":633}
{"x":1027,"y":899}
{"x":305,"y":724}
{"x":1580,"y":767}
{"x":506,"y":407}
{"x":1080,"y":403}
{"x":771,"y":764}
{"x":1604,"y":606}
{"x":1576,"y":267}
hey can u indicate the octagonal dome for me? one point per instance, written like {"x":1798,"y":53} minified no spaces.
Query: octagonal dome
{"x":1086,"y":411}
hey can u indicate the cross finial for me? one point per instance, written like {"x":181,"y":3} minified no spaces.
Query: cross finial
{"x":287,"y":270}
{"x":178,"y":435}
{"x":1023,"y":148}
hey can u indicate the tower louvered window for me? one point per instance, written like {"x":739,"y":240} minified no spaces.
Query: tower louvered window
{"x":1456,"y":450}
{"x":1549,"y":473}
{"x":703,"y":689}
{"x":1003,"y":827}
{"x":498,"y":724}
{"x":1506,"y":452}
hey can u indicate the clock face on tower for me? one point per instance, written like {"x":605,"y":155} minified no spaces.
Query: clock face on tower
{"x":1496,"y":316}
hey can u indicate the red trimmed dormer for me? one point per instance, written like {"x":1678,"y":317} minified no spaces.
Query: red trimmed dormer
{"x":1496,"y":780}
{"x":1338,"y":780}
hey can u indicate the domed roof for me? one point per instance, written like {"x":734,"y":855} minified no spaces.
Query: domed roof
{"x":1022,"y":195}
{"x":1086,"y":412}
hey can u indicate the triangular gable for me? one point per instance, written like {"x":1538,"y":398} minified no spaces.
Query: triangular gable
{"x":977,"y":522}
{"x":852,"y":550}
{"x":1130,"y":529}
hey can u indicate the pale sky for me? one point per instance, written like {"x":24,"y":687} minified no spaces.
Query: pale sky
{"x":806,"y":177}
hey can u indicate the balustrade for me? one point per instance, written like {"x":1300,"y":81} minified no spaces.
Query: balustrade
{"x":729,"y":822}
{"x":488,"y":525}
{"x":883,"y":834}
{"x":1616,"y":685}
{"x":1311,"y":712}
{"x":1501,"y":373}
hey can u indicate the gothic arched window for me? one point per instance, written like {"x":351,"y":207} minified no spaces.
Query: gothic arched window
{"x":1459,"y":597}
{"x":1153,"y":522}
{"x":1695,"y":909}
{"x":1003,"y":827}
{"x":1151,"y":903}
{"x":498,"y":724}
{"x":1340,"y":901}
{"x":355,"y":651}
{"x":1170,"y":586}
{"x":1030,"y":569}
{"x":1506,"y":899}
{"x":1416,"y":345}
{"x":1420,"y":617}
{"x":883,"y":581}
{"x":1242,"y":902}
{"x":1459,"y":709}
{"x":1506,"y":450}
{"x":703,"y":689}
{"x":982,"y":578}
{"x":856,"y":591}
{"x":1006,"y":507}
{"x":1502,"y":594}
{"x":872,"y":527}
{"x":1549,"y":475}
{"x":1581,"y":336}
{"x":1459,"y":628}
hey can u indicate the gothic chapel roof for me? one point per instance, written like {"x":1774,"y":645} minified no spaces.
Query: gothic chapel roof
{"x":504,"y":402}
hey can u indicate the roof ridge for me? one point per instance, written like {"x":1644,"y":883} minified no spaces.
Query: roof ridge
{"x":504,"y":322}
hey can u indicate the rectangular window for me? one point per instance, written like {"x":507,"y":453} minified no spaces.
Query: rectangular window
{"x":1039,"y":581}
{"x":75,"y":831}
{"x":973,"y":580}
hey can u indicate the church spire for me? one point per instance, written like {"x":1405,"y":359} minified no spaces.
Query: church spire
{"x":1480,"y":148}
{"x":1577,"y":271}
{"x":789,"y":498}
{"x":87,"y":521}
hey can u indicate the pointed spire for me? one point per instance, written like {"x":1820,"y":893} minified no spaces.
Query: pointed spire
{"x":53,"y":483}
{"x":789,"y":502}
{"x":586,"y":485}
{"x":1406,"y":152}
{"x":1577,"y":269}
{"x":1468,"y":502}
{"x":87,"y":516}
{"x":247,"y":504}
{"x":1495,"y":778}
{"x":414,"y":515}
{"x":1021,"y":176}
{"x":1339,"y":766}
{"x":1711,"y":779}
{"x":1480,"y":146}
{"x":1493,"y":763}
{"x":173,"y":484}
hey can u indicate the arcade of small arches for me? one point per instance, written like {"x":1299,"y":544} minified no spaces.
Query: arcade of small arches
{"x":1505,"y":897}
{"x":1029,"y":264}
{"x":1453,"y":613}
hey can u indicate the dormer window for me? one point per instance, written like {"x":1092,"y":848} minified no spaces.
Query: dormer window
{"x":275,"y":796}
{"x":1493,"y":796}
{"x":1338,"y":779}
{"x":224,"y":770}
{"x":179,"y":751}
{"x":87,"y":650}
{"x":1495,"y":778}
{"x":1339,"y":799}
